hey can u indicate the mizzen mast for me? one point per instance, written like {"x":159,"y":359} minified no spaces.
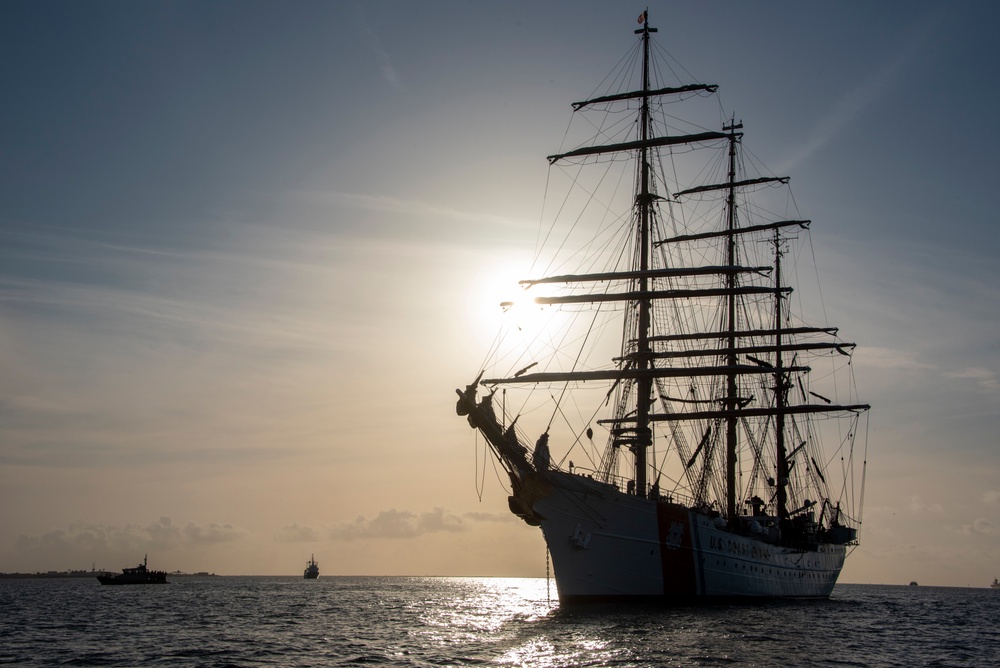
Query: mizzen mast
{"x":780,"y":391}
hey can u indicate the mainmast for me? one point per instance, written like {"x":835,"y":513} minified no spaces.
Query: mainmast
{"x":644,"y":199}
{"x":732,"y":400}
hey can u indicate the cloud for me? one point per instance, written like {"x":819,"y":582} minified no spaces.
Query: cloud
{"x":413,"y":209}
{"x":918,"y":506}
{"x":389,"y":73}
{"x":83,"y":540}
{"x":212,"y":533}
{"x":855,"y":101}
{"x":991,"y":497}
{"x":888,"y":358}
{"x":394,"y":523}
{"x":488,"y":517}
{"x":979,"y":526}
{"x":985,"y":378}
{"x":295,"y":533}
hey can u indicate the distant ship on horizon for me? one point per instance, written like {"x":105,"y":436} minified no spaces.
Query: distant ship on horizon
{"x":133,"y":576}
{"x":312,"y":569}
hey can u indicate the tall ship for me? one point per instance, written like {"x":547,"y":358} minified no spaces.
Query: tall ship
{"x":719,"y":446}
{"x":312,"y":569}
{"x":132,"y":576}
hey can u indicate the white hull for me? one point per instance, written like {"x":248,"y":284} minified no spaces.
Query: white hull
{"x":607,"y":545}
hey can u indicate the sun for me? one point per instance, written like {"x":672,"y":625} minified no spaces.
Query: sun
{"x":497,"y":299}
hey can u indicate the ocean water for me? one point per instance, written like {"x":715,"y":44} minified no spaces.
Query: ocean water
{"x":406,"y":621}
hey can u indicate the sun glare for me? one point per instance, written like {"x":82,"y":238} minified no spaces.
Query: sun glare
{"x":497,"y":297}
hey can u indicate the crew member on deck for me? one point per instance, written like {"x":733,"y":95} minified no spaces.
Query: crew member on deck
{"x":541,"y":456}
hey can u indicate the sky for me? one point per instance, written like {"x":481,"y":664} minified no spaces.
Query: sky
{"x":247,"y":252}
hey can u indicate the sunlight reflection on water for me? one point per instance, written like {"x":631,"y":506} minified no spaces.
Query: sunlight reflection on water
{"x":545,"y":651}
{"x":488,"y":604}
{"x":518,"y":617}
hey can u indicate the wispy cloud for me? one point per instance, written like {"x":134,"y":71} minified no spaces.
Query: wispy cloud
{"x":985,"y":379}
{"x":394,"y":523}
{"x":920,"y":507}
{"x":980,"y":526}
{"x":890,"y":358}
{"x":411,"y":208}
{"x":389,"y":72}
{"x":852,"y":103}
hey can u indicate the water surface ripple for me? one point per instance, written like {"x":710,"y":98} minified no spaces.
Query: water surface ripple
{"x":244,"y":622}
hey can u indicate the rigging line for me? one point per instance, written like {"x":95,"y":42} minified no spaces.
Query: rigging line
{"x":849,"y":477}
{"x":619,"y":73}
{"x":662,"y":104}
{"x":541,"y":243}
{"x":575,"y":180}
{"x":493,"y":348}
{"x":592,"y":196}
{"x":859,"y":508}
{"x":482,"y":482}
{"x":576,"y":364}
{"x":493,"y":461}
{"x":846,"y":465}
{"x":588,"y":431}
{"x":673,"y":492}
{"x":475,"y":477}
{"x":864,"y":472}
{"x":759,"y":166}
{"x":662,"y":55}
{"x":576,"y":184}
{"x":503,"y":484}
{"x":757,"y":452}
{"x":576,"y":439}
{"x":723,"y":114}
{"x":619,"y":67}
{"x":612,"y":235}
{"x":819,"y":285}
{"x":541,"y":214}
